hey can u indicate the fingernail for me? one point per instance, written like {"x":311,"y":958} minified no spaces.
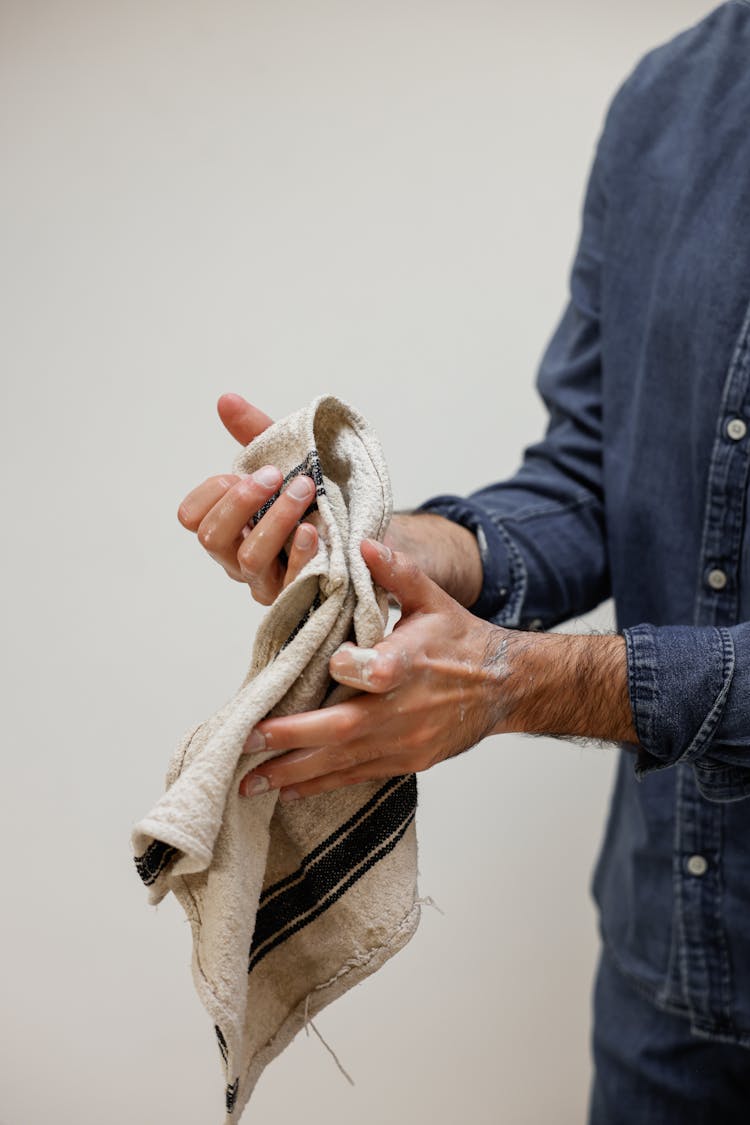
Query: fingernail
{"x":256,"y":741}
{"x":268,"y":476}
{"x":256,"y":784}
{"x":300,"y":488}
{"x":304,"y":537}
{"x":288,"y":795}
{"x":385,"y":553}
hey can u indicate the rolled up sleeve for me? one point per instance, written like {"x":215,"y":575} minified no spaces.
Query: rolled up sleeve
{"x":504,"y":574}
{"x":690,"y":695}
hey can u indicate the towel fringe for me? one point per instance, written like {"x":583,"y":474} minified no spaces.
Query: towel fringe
{"x":309,"y":1024}
{"x":428,"y":901}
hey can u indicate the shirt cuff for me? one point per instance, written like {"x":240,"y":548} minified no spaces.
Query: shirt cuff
{"x":504,"y":573}
{"x":679,"y":679}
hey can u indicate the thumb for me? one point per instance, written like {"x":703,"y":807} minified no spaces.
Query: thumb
{"x":243,"y":420}
{"x":400,"y":576}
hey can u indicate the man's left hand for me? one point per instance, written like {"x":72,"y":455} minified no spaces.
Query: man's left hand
{"x":430,"y":690}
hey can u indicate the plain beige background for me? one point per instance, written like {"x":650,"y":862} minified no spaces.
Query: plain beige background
{"x":380,"y":200}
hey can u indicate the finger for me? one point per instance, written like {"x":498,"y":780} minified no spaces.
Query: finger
{"x":397,"y":574}
{"x":219,"y":532}
{"x":243,"y":420}
{"x":258,"y":555}
{"x":304,"y":548}
{"x":301,"y":782}
{"x":373,"y":771}
{"x":329,"y":726}
{"x":297,"y":766}
{"x":378,"y":670}
{"x":201,"y":499}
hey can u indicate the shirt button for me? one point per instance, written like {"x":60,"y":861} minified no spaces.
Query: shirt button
{"x":536,"y":624}
{"x":697,"y":865}
{"x":717,"y":579}
{"x":736,"y":429}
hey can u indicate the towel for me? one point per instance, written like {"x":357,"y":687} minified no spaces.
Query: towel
{"x":290,"y":905}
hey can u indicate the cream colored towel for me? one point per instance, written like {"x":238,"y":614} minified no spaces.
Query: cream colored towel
{"x":290,"y":905}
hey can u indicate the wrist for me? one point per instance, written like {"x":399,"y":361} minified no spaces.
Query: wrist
{"x":568,"y":685}
{"x":447,"y":552}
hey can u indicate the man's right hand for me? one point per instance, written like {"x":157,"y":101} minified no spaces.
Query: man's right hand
{"x":220,"y":508}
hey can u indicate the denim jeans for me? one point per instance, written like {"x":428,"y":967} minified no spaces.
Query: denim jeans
{"x":651,"y":1069}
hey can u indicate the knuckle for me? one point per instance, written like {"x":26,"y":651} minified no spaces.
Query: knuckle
{"x":382,"y":673}
{"x":247,"y":561}
{"x":346,"y":727}
{"x":206,"y":537}
{"x":261,"y":596}
{"x":353,"y":776}
{"x":407,"y":566}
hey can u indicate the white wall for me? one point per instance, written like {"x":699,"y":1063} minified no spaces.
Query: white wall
{"x":380,"y":200}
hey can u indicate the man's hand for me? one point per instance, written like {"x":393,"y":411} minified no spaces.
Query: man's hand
{"x":219,"y":509}
{"x":436,"y":686}
{"x":433,"y":689}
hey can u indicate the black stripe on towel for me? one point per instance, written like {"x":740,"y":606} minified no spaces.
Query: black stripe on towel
{"x":231,"y":1095}
{"x":335,"y":865}
{"x":222,"y":1042}
{"x":310,"y":467}
{"x":306,"y":919}
{"x":347,"y":826}
{"x":156,"y":857}
{"x":231,"y":1090}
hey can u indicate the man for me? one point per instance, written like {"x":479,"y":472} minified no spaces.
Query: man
{"x":638,"y":490}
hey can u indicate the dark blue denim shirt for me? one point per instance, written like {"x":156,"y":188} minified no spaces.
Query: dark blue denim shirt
{"x":639,"y":491}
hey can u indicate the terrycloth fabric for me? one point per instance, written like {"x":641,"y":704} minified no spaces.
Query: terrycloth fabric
{"x":290,"y":905}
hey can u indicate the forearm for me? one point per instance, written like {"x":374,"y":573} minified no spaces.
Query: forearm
{"x":565,"y":685}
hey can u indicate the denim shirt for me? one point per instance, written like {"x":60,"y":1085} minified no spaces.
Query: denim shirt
{"x":638,"y":490}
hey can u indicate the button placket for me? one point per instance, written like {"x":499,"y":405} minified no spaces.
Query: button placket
{"x":723,"y":524}
{"x":702,"y":939}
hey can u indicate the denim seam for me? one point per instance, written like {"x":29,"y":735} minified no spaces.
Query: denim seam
{"x":725,"y":963}
{"x":708,"y":727}
{"x":510,"y":615}
{"x":642,"y":683}
{"x":678,"y":877}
